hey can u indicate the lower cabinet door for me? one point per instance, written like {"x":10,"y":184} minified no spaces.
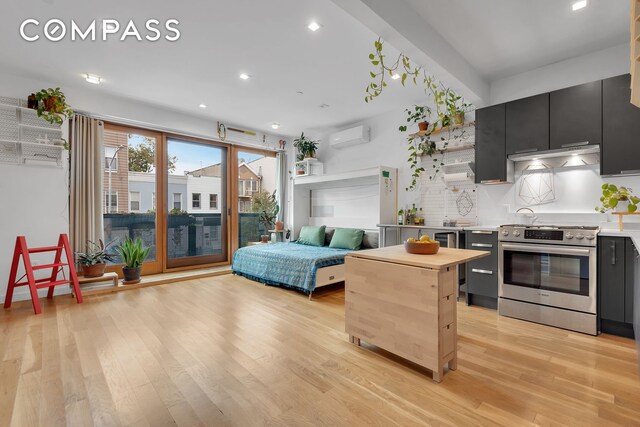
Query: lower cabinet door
{"x":611,"y":267}
{"x":481,"y":281}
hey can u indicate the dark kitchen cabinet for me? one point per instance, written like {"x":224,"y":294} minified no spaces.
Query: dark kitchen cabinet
{"x":527,"y":124}
{"x":491,"y":156}
{"x":620,"y":128}
{"x":616,"y":280}
{"x":575,"y":116}
{"x":482,"y":274}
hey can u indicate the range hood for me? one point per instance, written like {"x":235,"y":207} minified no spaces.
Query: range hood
{"x":574,"y":150}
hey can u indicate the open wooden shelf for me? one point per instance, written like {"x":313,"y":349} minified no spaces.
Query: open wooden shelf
{"x":622,"y":215}
{"x":443,"y":129}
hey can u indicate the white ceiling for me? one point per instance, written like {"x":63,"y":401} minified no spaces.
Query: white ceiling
{"x":219,"y":40}
{"x":500,"y":38}
{"x":270,"y":41}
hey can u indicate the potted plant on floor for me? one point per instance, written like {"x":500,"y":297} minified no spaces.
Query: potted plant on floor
{"x":305,"y":146}
{"x":52,"y":106}
{"x":94,"y":259}
{"x":267,"y":206}
{"x":133,"y":253}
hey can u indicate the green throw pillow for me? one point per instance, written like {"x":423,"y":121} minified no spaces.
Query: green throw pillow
{"x":347,"y":238}
{"x":313,"y":236}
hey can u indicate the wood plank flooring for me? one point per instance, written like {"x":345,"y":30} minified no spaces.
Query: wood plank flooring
{"x":225,"y":351}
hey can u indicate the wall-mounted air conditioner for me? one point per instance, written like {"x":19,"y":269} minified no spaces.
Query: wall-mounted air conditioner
{"x":353,"y":136}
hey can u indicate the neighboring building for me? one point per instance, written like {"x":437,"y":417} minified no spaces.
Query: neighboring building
{"x":142,"y":192}
{"x":119,"y":172}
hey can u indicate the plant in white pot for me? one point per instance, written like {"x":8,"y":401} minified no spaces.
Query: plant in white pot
{"x":617,"y":199}
{"x":133,"y":253}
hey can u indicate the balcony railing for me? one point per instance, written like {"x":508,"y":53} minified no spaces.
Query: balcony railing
{"x":187,"y":234}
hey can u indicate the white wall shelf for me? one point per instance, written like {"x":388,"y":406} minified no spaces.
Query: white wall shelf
{"x":25,"y":137}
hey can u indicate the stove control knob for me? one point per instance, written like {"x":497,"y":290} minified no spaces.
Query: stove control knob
{"x":505,"y":232}
{"x":590,"y":236}
{"x":569,"y":236}
{"x":579,"y":236}
{"x":516,"y":233}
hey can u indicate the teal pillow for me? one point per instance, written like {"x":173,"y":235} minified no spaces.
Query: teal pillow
{"x":313,"y":236}
{"x":347,"y":238}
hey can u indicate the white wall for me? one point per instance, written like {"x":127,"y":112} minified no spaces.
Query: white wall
{"x":570,"y":72}
{"x":37,"y":207}
{"x":38,"y":196}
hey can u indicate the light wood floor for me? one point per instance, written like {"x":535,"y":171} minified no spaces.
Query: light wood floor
{"x":226,"y":351}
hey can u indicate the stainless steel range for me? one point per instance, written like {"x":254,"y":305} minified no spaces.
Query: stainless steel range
{"x":547,"y":274}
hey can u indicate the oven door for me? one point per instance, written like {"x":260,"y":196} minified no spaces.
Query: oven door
{"x":557,"y":276}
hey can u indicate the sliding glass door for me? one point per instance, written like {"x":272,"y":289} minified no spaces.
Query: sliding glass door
{"x":256,"y":183}
{"x":196,"y":195}
{"x":130,"y":187}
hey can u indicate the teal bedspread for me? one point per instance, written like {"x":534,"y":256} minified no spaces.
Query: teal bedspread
{"x":285,"y":264}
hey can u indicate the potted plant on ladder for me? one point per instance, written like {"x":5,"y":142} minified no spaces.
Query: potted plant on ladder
{"x":133,"y":253}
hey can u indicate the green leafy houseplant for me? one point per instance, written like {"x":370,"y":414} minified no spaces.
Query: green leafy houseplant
{"x":94,"y":259}
{"x":52,"y":106}
{"x":305,"y":146}
{"x":448,"y":105}
{"x":612,"y":196}
{"x":267,"y":206}
{"x":133,"y":253}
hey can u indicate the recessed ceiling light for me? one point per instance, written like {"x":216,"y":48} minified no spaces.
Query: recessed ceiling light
{"x":92,"y":78}
{"x":202,"y":105}
{"x":395,"y":76}
{"x":314,"y":26}
{"x":579,"y":5}
{"x":275,"y":125}
{"x":245,"y":76}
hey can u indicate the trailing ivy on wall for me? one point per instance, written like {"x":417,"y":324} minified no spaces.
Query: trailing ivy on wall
{"x":448,"y":111}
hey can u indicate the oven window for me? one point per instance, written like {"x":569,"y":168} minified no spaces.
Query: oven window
{"x":553,"y":272}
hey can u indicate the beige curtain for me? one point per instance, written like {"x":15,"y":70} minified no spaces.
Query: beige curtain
{"x":86,"y":175}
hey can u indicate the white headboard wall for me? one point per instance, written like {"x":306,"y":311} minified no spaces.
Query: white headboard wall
{"x":355,"y":199}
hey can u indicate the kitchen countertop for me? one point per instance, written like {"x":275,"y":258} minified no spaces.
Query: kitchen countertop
{"x":446,"y":257}
{"x":482,"y":228}
{"x":423,"y":227}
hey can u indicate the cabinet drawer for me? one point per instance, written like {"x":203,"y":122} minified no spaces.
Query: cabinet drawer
{"x":483,"y":282}
{"x":482,"y":237}
{"x":447,"y":339}
{"x":446,"y":309}
{"x":487,"y":263}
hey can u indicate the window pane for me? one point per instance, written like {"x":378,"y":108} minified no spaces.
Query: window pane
{"x":257,"y":182}
{"x":132,"y":183}
{"x":199,"y":173}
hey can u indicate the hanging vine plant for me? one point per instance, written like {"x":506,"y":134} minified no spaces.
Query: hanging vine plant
{"x":449,"y":108}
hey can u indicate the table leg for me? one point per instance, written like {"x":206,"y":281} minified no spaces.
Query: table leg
{"x":453,"y":364}
{"x":437,"y":375}
{"x":354,"y":340}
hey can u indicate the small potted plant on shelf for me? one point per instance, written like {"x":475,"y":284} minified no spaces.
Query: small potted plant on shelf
{"x":417,"y":114}
{"x":52,"y":106}
{"x":94,"y":259}
{"x":133,"y":253}
{"x":305,"y":146}
{"x":617,"y":199}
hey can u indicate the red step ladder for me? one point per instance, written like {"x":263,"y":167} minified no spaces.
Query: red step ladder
{"x":47,"y":282}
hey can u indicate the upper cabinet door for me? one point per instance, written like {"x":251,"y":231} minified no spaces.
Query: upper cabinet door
{"x":528,"y":124}
{"x":576,"y":116}
{"x":620,"y":128}
{"x":491,"y":159}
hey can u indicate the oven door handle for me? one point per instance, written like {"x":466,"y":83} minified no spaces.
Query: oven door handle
{"x":545,"y":249}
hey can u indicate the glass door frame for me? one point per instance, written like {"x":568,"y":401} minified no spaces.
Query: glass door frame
{"x":195,"y":262}
{"x":157,"y":266}
{"x":235,"y":198}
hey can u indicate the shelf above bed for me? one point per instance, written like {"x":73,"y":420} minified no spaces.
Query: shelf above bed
{"x":374,"y":172}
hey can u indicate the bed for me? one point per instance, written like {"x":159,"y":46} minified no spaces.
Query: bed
{"x":295,"y":266}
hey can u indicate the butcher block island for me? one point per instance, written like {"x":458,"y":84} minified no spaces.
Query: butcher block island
{"x":406,"y":303}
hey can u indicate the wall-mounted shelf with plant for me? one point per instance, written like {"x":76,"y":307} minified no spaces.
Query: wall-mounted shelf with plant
{"x":444,"y":114}
{"x":52,"y":105}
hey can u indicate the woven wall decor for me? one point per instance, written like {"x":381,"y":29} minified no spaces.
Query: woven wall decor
{"x":464,"y":203}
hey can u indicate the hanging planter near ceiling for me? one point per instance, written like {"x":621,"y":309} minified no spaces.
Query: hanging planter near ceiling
{"x":52,"y":106}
